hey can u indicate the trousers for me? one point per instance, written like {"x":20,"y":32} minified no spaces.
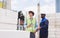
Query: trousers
{"x":32,"y":35}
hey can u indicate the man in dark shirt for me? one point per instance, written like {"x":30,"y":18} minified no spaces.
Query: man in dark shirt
{"x":43,"y":27}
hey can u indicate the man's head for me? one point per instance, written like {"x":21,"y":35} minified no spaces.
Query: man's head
{"x":31,"y":14}
{"x":43,"y":15}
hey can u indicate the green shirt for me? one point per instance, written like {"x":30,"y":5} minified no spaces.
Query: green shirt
{"x":31,"y":22}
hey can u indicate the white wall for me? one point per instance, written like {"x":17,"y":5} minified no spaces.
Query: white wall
{"x":8,"y":19}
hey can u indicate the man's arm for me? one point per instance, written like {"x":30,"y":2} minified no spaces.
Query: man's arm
{"x":45,"y":26}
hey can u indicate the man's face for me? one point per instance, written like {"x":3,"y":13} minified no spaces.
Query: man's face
{"x":42,"y":16}
{"x":30,"y":14}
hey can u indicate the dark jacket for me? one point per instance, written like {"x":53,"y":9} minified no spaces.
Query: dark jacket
{"x":44,"y":28}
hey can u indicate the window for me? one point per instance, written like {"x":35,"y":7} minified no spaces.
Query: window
{"x":57,"y":5}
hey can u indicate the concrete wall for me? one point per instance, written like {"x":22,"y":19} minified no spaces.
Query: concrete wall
{"x":57,"y":25}
{"x":51,"y":18}
{"x":54,"y":25}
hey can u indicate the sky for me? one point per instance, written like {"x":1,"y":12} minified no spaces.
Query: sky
{"x":46,"y":5}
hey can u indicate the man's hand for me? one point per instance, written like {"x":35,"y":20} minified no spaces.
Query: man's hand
{"x":29,"y":26}
{"x":35,"y":31}
{"x":39,"y":28}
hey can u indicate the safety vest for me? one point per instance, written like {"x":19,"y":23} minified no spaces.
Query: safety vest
{"x":33,"y":22}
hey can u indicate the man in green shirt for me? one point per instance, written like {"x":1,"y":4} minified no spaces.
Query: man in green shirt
{"x":31,"y":24}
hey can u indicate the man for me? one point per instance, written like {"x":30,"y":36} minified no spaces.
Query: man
{"x":31,"y":24}
{"x":43,"y":27}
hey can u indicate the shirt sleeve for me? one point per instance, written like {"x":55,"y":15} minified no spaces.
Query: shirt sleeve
{"x":25,"y":23}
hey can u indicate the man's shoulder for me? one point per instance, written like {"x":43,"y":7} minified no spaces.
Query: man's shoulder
{"x":46,"y":19}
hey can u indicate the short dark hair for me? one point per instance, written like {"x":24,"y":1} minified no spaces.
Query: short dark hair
{"x":31,"y":12}
{"x":43,"y":14}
